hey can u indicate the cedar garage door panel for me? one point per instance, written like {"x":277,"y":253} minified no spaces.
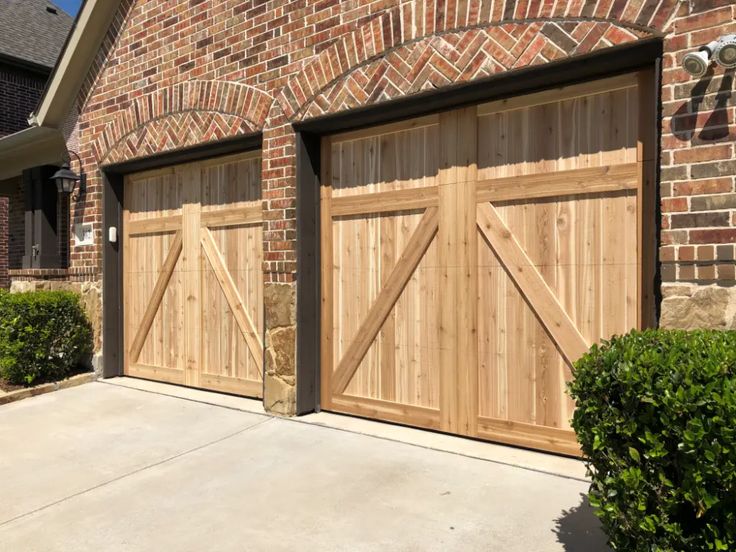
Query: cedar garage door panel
{"x":468,"y":257}
{"x":192,"y":275}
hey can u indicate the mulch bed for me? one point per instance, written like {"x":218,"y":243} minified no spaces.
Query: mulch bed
{"x":7,"y":387}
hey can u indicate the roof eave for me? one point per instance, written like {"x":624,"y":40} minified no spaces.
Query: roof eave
{"x":29,"y":148}
{"x":25,"y":64}
{"x":80,"y":50}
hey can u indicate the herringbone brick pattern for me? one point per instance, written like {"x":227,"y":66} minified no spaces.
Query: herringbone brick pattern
{"x":448,"y":59}
{"x":176,"y":131}
{"x":181,"y":115}
{"x":570,"y":26}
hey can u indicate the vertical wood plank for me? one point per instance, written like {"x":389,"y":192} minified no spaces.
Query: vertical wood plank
{"x":387,"y":226}
{"x":466,"y":362}
{"x":327,"y":269}
{"x":447,"y":237}
{"x":125,"y":293}
{"x":192,"y":276}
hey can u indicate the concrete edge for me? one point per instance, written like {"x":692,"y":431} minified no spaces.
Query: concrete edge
{"x":73,"y":381}
{"x":541,"y":462}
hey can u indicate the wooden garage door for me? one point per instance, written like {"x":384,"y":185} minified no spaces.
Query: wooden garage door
{"x":469,"y":257}
{"x":193,"y":287}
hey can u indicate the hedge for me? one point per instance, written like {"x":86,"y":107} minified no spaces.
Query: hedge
{"x":44,"y":336}
{"x":656,"y":418}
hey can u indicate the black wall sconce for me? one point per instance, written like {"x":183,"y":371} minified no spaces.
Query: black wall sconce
{"x":66,"y":179}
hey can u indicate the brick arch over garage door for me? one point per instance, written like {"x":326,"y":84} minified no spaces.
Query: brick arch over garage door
{"x":411,"y":49}
{"x":417,"y":46}
{"x":184,"y":114}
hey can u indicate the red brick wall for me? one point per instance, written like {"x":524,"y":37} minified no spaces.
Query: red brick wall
{"x":4,"y":281}
{"x":698,"y":164}
{"x":20,"y":91}
{"x":12,"y":189}
{"x":313,"y":57}
{"x":184,"y":72}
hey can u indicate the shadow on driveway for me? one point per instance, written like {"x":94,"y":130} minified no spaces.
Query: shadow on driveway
{"x":579,"y":530}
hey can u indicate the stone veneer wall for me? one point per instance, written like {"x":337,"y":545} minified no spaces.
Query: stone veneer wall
{"x":184,"y":72}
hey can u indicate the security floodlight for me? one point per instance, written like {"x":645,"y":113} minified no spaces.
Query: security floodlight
{"x":696,"y":63}
{"x":725,"y":51}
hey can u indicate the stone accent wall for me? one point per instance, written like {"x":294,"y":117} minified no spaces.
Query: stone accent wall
{"x":185,"y":72}
{"x":279,"y":393}
{"x":691,"y":306}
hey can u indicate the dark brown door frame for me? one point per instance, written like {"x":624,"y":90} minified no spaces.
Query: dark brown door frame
{"x":641,"y":54}
{"x":113,"y":177}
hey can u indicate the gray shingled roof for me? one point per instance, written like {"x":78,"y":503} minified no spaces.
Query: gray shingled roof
{"x":30,"y":32}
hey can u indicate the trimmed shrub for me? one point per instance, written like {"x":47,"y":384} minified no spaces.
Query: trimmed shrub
{"x":44,"y":336}
{"x":656,"y":418}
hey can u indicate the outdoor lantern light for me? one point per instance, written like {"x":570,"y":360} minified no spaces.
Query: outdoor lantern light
{"x":66,"y":179}
{"x":725,"y":52}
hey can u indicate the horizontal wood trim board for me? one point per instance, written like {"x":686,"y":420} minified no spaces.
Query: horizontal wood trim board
{"x":384,"y":202}
{"x":593,"y":180}
{"x":528,"y":435}
{"x":227,"y":384}
{"x":158,"y":373}
{"x":553,"y":95}
{"x":170,"y":223}
{"x":385,"y":410}
{"x":225,"y":217}
{"x":251,"y":214}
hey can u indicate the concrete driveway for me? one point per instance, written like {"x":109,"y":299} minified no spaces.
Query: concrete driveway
{"x":103,"y":467}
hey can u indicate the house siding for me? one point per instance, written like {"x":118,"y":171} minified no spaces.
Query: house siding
{"x":182,"y":73}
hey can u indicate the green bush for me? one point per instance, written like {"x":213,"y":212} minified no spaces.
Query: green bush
{"x":656,"y":418}
{"x":44,"y":336}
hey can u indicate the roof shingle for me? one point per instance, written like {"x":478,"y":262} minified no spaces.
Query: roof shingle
{"x":33,"y":30}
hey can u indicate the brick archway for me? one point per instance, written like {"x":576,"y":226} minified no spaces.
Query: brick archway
{"x":188,"y":113}
{"x":416,"y":47}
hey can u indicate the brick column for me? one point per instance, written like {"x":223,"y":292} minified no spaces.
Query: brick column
{"x":697,"y":177}
{"x":279,"y":263}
